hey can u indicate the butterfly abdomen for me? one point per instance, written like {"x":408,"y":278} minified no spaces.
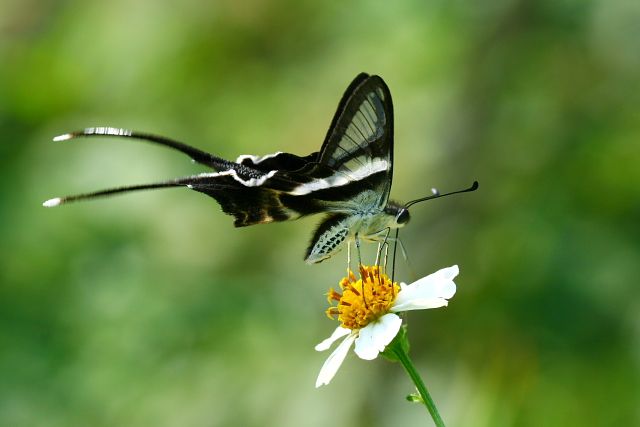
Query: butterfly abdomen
{"x":327,"y":238}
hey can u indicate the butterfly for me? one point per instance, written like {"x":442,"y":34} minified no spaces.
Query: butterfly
{"x":348,"y":179}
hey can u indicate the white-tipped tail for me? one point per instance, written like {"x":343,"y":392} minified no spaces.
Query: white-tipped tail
{"x":52,"y":202}
{"x":62,"y":138}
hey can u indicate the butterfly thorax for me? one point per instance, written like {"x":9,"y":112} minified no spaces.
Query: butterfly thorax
{"x":374,"y":226}
{"x":370,"y":224}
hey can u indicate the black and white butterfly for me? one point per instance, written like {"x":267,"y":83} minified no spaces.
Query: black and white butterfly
{"x":349,"y":179}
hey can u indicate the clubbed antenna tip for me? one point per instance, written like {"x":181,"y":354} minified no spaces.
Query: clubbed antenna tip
{"x":52,"y":202}
{"x":64,"y":137}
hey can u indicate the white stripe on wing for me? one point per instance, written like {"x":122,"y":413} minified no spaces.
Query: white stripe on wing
{"x":252,"y":182}
{"x":257,"y":159}
{"x":341,"y":178}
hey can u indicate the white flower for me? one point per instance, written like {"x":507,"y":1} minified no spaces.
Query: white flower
{"x":367,"y":310}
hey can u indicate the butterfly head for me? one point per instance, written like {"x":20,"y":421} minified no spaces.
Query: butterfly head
{"x":399,"y":213}
{"x":402,"y":217}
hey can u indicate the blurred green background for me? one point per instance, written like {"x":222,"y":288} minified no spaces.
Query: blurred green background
{"x":151,"y":309}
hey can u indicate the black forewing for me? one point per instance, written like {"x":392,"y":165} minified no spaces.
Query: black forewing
{"x":358,"y":147}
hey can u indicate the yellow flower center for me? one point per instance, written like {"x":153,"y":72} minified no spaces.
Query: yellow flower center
{"x":364,"y":300}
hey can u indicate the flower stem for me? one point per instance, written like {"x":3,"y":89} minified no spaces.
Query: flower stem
{"x":403,"y":357}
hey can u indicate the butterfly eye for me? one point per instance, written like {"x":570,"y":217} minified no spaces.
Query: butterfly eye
{"x":403,"y":216}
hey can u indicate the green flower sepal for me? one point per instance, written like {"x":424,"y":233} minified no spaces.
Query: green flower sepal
{"x":399,"y":343}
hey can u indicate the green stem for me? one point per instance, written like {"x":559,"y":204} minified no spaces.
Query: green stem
{"x":403,"y":357}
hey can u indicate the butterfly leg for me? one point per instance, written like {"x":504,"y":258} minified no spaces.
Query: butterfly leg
{"x":386,"y":256}
{"x":382,"y":244}
{"x":348,"y":257}
{"x":357,"y":239}
{"x":361,"y":269}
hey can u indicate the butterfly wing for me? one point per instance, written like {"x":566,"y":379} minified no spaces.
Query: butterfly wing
{"x":248,"y":189}
{"x":360,"y":145}
{"x":358,"y":149}
{"x":351,"y":173}
{"x":355,"y":165}
{"x":282,"y":162}
{"x":252,"y":200}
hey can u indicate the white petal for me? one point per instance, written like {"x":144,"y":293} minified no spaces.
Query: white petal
{"x":333,"y":362}
{"x":374,"y":337}
{"x":420,"y":304}
{"x":338,"y":333}
{"x":427,"y":292}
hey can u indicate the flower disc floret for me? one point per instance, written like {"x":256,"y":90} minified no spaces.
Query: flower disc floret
{"x":364,"y":300}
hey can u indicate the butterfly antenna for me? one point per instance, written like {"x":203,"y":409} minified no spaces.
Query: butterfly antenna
{"x":57,"y":201}
{"x":393,"y":257}
{"x":436,"y":194}
{"x":197,"y":155}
